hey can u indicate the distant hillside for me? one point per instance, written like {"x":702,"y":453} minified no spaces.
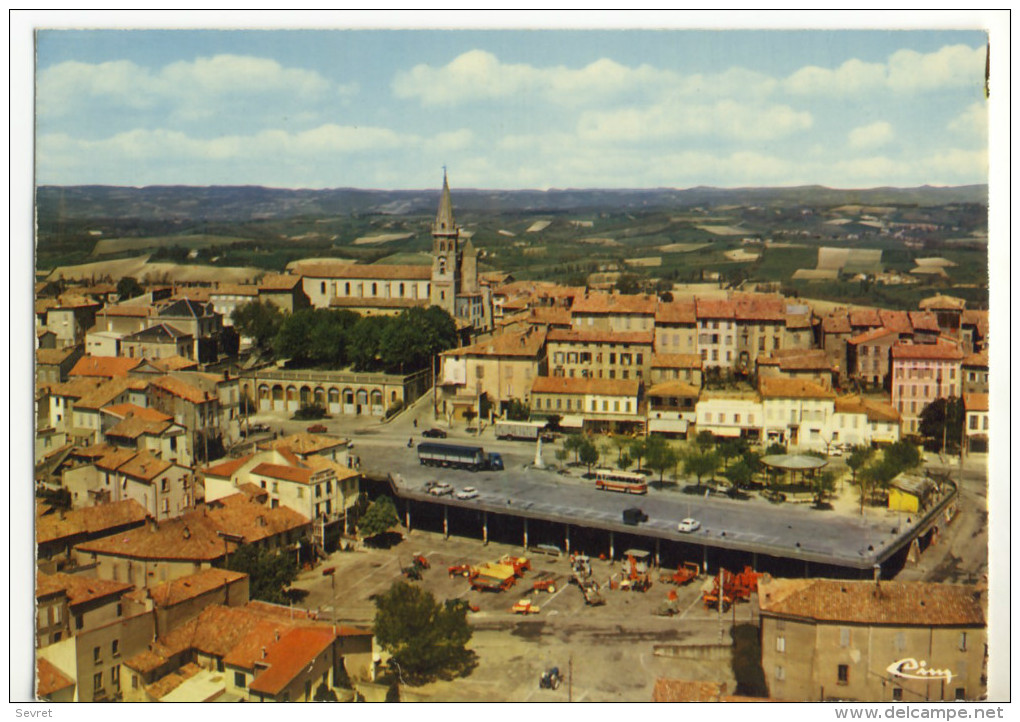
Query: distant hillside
{"x":247,"y":203}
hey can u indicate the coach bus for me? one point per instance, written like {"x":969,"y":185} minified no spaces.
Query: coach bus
{"x":626,"y":482}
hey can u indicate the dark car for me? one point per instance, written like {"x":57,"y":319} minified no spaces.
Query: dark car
{"x":317,"y":429}
{"x":634,"y":516}
{"x":434,"y":434}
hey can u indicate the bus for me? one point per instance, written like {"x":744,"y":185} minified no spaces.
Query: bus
{"x":626,"y":482}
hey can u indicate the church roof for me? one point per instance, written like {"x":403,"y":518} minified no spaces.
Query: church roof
{"x":444,"y":216}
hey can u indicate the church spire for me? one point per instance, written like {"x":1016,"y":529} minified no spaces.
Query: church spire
{"x":444,"y":217}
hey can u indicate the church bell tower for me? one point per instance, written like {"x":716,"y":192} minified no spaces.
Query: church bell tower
{"x":445,"y":254}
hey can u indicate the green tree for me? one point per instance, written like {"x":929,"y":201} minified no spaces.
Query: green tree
{"x":623,"y":462}
{"x":902,"y":456}
{"x":269,"y":572}
{"x":701,"y":464}
{"x":363,"y":342}
{"x":294,"y":339}
{"x":518,"y":411}
{"x":740,"y":474}
{"x":621,"y":443}
{"x":822,"y":485}
{"x":425,"y":639}
{"x":470,"y":415}
{"x":380,"y":517}
{"x":128,"y":287}
{"x":661,"y":456}
{"x":258,"y":320}
{"x":942,"y":421}
{"x":638,"y":449}
{"x":588,"y":453}
{"x":857,"y":458}
{"x":628,"y":283}
{"x":573,"y":443}
{"x":730,"y":449}
{"x":775,"y":449}
{"x":704,"y":440}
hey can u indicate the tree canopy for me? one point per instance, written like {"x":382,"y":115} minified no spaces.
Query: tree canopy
{"x":258,"y":320}
{"x":701,"y":464}
{"x":269,"y":572}
{"x":128,"y":287}
{"x":942,"y":420}
{"x":379,"y":518}
{"x":424,"y":638}
{"x":589,"y":453}
{"x":661,"y":456}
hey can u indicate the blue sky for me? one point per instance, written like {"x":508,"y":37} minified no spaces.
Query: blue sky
{"x":510,"y":108}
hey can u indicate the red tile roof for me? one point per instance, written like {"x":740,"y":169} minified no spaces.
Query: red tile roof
{"x":136,"y":310}
{"x":872,"y":335}
{"x":173,"y":363}
{"x":874,"y":410}
{"x":674,"y":388}
{"x":975,"y":402}
{"x":122,"y":411}
{"x":602,"y":387}
{"x":676,"y":361}
{"x":286,"y":473}
{"x":227,"y":469}
{"x":185,"y":588}
{"x":53,"y":356}
{"x":713,"y":308}
{"x":809,"y":359}
{"x":898,"y":321}
{"x":755,"y":307}
{"x":132,"y":427}
{"x":79,"y":589}
{"x":977,"y":360}
{"x":90,"y":520}
{"x":182,"y":389}
{"x":144,"y":466}
{"x":49,"y":679}
{"x":353,"y":270}
{"x":617,"y":304}
{"x":785,"y":388}
{"x":923,"y":351}
{"x":526,"y":343}
{"x":920,"y":604}
{"x":942,"y":303}
{"x":290,"y":656}
{"x":682,"y":312}
{"x":104,"y":366}
{"x":279,"y":282}
{"x":561,"y":335}
{"x":836,"y":322}
{"x":798,"y":320}
{"x":678,"y":690}
{"x":866,"y":317}
{"x":924,"y":321}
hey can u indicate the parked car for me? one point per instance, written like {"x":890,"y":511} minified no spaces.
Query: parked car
{"x":317,"y":429}
{"x":634,"y":516}
{"x":468,"y":492}
{"x":688,"y":525}
{"x":434,"y":434}
{"x":258,"y":428}
{"x":441,"y":489}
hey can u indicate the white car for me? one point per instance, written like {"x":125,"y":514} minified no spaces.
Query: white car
{"x":468,"y":492}
{"x":688,"y":525}
{"x":441,"y":489}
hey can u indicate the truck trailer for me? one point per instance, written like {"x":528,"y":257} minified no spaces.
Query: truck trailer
{"x":473,"y":458}
{"x":519,"y":430}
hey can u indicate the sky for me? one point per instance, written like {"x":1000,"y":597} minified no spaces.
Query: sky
{"x":511,"y":108}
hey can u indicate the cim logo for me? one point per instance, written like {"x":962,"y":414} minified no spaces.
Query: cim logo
{"x":910,"y":668}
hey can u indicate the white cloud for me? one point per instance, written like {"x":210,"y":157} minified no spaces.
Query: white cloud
{"x":725,"y":118}
{"x":194,"y":89}
{"x":480,"y":75}
{"x":871,"y":136}
{"x":904,"y":71}
{"x":972,"y":122}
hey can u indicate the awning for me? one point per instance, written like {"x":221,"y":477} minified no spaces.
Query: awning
{"x":572,"y":422}
{"x":731,"y":431}
{"x":669,"y":426}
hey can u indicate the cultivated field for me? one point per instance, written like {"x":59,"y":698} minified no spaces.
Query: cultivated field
{"x":382,"y":238}
{"x":121,"y":245}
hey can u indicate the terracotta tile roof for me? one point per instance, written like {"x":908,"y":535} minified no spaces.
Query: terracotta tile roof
{"x":975,"y":402}
{"x":357,"y":270}
{"x":873,"y":409}
{"x":132,"y":427}
{"x":107,"y":392}
{"x":603,"y":387}
{"x":872,"y":335}
{"x":974,"y":317}
{"x":185,"y":588}
{"x":173,"y":363}
{"x":187,"y":307}
{"x":49,"y":679}
{"x":89,"y":520}
{"x":144,"y":466}
{"x":158,"y":333}
{"x":235,"y":289}
{"x":897,"y":321}
{"x":320,"y":463}
{"x":977,"y":360}
{"x":920,"y":604}
{"x":167,"y":684}
{"x":376,"y":302}
{"x":798,"y":320}
{"x":678,"y":690}
{"x":135,"y":310}
{"x":617,"y":304}
{"x":279,"y":282}
{"x":676,"y":361}
{"x":560,"y":335}
{"x":253,"y":492}
{"x":182,"y":389}
{"x":104,"y":366}
{"x":194,"y":536}
{"x":759,"y":307}
{"x":550,"y":315}
{"x":146,"y":661}
{"x":674,"y":388}
{"x":215,"y":631}
{"x":836,"y":322}
{"x":715,"y":308}
{"x":676,"y":312}
{"x":866,"y":317}
{"x":796,"y":359}
{"x":924,"y":321}
{"x":526,"y":343}
{"x":227,"y":469}
{"x":921,"y":351}
{"x":290,"y":656}
{"x":53,"y":356}
{"x":76,"y":388}
{"x":123,"y":411}
{"x":115,"y":458}
{"x":941,"y":302}
{"x":778,"y":387}
{"x":286,"y":473}
{"x":192,"y":293}
{"x":79,"y":589}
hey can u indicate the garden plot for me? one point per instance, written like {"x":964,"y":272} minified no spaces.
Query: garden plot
{"x":382,"y":238}
{"x":682,"y":247}
{"x":723,"y":230}
{"x":740,"y":255}
{"x":538,"y":226}
{"x":649,"y":262}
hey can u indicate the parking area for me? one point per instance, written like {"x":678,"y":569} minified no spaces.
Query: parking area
{"x":609,"y":649}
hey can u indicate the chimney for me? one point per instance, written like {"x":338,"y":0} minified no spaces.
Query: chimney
{"x":187,"y":532}
{"x":263,"y":653}
{"x":262,"y":520}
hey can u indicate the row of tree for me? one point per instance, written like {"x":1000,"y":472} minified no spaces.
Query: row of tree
{"x":338,"y":338}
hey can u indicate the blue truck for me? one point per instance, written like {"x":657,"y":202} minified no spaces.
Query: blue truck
{"x":455,"y":456}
